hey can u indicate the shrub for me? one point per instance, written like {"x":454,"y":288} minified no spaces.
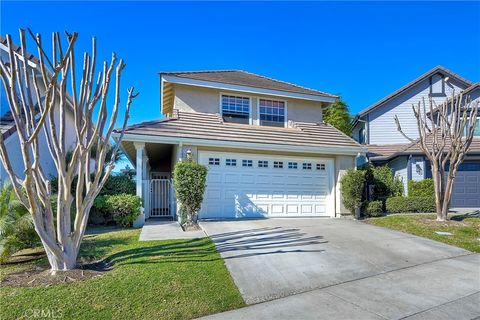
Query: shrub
{"x":124,"y":208}
{"x":16,"y":226}
{"x":385,"y":184}
{"x":119,"y":184}
{"x":189,"y":180}
{"x":113,"y":185}
{"x":410,"y":204}
{"x":352,"y":188}
{"x":422,"y":188}
{"x":374,"y":209}
{"x":100,"y":213}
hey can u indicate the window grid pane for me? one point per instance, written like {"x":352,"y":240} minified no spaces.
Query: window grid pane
{"x":320,"y":166}
{"x":247,"y":163}
{"x":307,"y":166}
{"x":214,"y":161}
{"x":278,"y":164}
{"x":292,"y":165}
{"x":271,"y":110}
{"x":231,"y":162}
{"x":262,"y":164}
{"x":235,"y":105}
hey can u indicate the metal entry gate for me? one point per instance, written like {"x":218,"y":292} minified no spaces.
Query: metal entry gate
{"x":161,"y":198}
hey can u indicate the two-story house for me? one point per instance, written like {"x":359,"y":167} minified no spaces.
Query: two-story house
{"x":375,"y":127}
{"x":268,"y":152}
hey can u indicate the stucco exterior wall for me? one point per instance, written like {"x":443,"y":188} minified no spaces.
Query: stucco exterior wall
{"x":207,"y":100}
{"x":342,"y":164}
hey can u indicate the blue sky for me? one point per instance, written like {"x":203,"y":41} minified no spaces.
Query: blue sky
{"x":361,"y":50}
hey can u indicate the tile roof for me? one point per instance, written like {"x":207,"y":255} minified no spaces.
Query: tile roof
{"x":390,"y":151}
{"x":211,"y":127}
{"x":413,"y":83}
{"x":243,"y":78}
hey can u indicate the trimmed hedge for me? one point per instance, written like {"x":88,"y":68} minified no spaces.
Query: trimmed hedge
{"x":422,"y":188}
{"x":121,"y":209}
{"x":374,"y":209}
{"x":410,"y":204}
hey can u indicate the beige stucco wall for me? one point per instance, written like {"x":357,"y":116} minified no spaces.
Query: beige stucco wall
{"x":342,"y":164}
{"x":207,"y":100}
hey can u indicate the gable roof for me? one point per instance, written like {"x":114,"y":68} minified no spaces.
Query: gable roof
{"x":413,"y":83}
{"x":201,"y":127}
{"x":243,"y":78}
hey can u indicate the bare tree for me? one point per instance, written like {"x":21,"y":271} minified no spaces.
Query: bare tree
{"x":39,"y":101}
{"x":445,"y":135}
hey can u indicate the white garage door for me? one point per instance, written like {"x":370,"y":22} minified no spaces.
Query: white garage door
{"x":466,"y":187}
{"x":252,"y":186}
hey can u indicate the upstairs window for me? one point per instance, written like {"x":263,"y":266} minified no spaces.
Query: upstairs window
{"x":236,"y":109}
{"x":437,"y":85}
{"x":272,"y":113}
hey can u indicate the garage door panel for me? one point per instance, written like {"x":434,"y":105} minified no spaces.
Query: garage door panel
{"x":466,"y":188}
{"x":260,"y":189}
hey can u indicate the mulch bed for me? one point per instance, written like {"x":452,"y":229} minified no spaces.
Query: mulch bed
{"x":41,"y":276}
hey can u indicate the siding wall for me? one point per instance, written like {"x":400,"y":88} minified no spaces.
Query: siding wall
{"x":399,"y":167}
{"x":12,"y":144}
{"x":207,"y":100}
{"x":381,"y":120}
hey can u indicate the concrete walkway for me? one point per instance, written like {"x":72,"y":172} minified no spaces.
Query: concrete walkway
{"x":344,"y":269}
{"x":167,"y":230}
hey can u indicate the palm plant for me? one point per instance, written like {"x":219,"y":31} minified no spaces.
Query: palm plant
{"x":16,"y":225}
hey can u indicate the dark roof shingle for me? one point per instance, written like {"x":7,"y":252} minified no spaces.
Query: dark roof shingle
{"x":243,"y":78}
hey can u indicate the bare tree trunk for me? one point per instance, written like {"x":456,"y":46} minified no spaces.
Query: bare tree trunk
{"x":445,"y":136}
{"x":35,"y":110}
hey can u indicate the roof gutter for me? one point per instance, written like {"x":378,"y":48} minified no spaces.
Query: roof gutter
{"x":353,"y":151}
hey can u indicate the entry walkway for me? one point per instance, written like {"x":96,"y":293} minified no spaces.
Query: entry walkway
{"x":167,"y":230}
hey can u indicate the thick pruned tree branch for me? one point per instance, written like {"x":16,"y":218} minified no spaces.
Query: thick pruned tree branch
{"x":40,"y":97}
{"x":445,"y":133}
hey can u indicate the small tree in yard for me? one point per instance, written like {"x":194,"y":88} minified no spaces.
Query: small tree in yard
{"x":39,"y":101}
{"x":338,"y":116}
{"x":189,"y":180}
{"x":445,"y":135}
{"x":352,"y":186}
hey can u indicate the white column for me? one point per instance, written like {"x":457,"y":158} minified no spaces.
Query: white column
{"x":140,"y":148}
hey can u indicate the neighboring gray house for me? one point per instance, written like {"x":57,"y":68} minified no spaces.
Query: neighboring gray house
{"x":376,"y":128}
{"x":268,"y":152}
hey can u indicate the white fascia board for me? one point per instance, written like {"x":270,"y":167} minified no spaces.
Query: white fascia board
{"x":239,"y":88}
{"x":354,"y":151}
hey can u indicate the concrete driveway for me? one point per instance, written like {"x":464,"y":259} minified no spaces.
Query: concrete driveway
{"x":344,"y":269}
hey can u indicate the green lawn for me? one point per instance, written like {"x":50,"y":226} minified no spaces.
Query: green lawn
{"x":465,"y":231}
{"x":177,"y":279}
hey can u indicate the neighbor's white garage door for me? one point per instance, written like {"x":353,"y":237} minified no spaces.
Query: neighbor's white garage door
{"x":249,"y":186}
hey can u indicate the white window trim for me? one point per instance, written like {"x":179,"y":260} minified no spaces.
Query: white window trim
{"x":285,"y":123}
{"x":233,"y":94}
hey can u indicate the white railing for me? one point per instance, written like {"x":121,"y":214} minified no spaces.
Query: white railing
{"x":159,"y":198}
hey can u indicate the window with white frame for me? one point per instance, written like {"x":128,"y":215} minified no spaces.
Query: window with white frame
{"x":247,"y":163}
{"x":292,"y":165}
{"x":235,"y":109}
{"x":278,"y":164}
{"x":321,"y":166}
{"x":214,"y":161}
{"x":262,"y":163}
{"x":231,"y":162}
{"x":307,"y":166}
{"x":271,"y":113}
